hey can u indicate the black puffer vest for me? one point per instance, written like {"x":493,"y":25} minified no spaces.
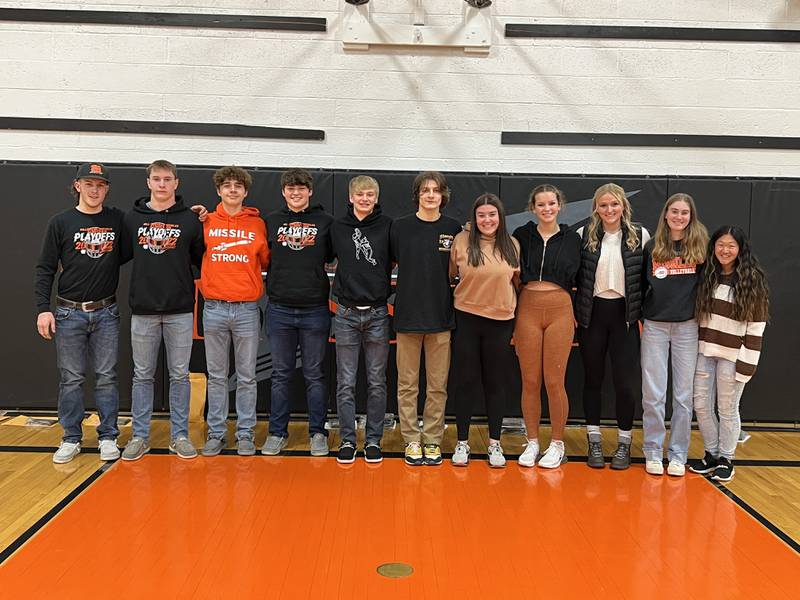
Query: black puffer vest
{"x":632,"y":261}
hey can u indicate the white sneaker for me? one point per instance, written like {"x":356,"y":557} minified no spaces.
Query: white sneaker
{"x":530,"y":454}
{"x":554,"y":457}
{"x":108,"y":450}
{"x":66,"y":452}
{"x":654,"y":467}
{"x":676,"y":469}
{"x":461,"y":455}
{"x":496,"y":458}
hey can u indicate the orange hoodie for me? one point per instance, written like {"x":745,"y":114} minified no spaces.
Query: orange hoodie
{"x":236,"y":253}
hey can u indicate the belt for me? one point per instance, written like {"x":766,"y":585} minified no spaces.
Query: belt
{"x":362,"y":307}
{"x":86,"y":306}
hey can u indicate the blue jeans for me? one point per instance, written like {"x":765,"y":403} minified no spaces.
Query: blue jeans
{"x":146,"y":334}
{"x":717,"y":377}
{"x":223,"y":323}
{"x":354,"y":328}
{"x":659,"y":340}
{"x":93,"y":335}
{"x":287,"y":327}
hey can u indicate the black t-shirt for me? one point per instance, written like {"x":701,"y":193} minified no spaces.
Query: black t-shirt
{"x":424,"y":299}
{"x":87,"y":246}
{"x":669,"y":288}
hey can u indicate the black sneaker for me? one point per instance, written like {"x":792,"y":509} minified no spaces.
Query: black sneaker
{"x":373,"y":454}
{"x":705,"y":465}
{"x":621,"y":459}
{"x":724,"y":471}
{"x":347,"y":453}
{"x":595,"y":458}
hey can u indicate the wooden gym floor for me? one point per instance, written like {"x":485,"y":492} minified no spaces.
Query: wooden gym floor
{"x":301,"y":527}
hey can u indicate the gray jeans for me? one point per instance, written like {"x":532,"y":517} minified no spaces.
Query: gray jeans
{"x":355,"y":328}
{"x":717,"y":377}
{"x":226,"y":323}
{"x":147,"y":332}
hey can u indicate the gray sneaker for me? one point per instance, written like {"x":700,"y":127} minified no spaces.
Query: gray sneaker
{"x":213,"y":447}
{"x":136,"y":448}
{"x":319,"y":445}
{"x":182,"y":447}
{"x":461,"y":455}
{"x":496,"y":458}
{"x":245,"y":447}
{"x":274,"y":445}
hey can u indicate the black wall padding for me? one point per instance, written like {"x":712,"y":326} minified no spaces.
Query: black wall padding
{"x":775,"y":213}
{"x":163,"y":19}
{"x":768,"y":209}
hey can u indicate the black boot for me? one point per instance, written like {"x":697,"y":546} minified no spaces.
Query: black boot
{"x":595,"y":455}
{"x":621,"y":459}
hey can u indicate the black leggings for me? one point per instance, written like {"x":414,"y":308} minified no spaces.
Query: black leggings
{"x":608,"y":331}
{"x":481,"y":359}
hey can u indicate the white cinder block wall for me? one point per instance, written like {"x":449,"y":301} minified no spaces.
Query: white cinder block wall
{"x":410,"y":108}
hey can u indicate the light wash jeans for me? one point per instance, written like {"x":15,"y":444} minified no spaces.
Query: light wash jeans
{"x":94,"y":336}
{"x":355,"y":328}
{"x":659,"y":340}
{"x":223,"y":323}
{"x":146,"y":334}
{"x":718,"y":375}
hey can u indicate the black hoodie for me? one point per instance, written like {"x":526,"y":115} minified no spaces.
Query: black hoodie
{"x":300,"y":245}
{"x":364,"y":268}
{"x":556,"y":260}
{"x":163,"y":245}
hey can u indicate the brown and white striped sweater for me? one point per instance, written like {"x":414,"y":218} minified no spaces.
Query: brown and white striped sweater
{"x":723,"y":337}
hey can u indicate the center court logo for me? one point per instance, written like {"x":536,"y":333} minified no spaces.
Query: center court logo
{"x":297,"y":235}
{"x":159,"y":237}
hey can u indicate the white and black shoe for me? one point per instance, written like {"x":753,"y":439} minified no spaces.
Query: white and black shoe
{"x":705,"y":465}
{"x":347,"y":453}
{"x":724,"y":471}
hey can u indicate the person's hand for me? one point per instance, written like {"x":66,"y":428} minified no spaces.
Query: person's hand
{"x":46,"y":324}
{"x":201,"y":211}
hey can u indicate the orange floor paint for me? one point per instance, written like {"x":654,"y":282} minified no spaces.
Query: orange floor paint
{"x":298,"y":527}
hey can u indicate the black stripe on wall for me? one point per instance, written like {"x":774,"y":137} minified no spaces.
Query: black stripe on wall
{"x":160,"y":128}
{"x":627,"y":32}
{"x":108,"y":17}
{"x":551,"y":138}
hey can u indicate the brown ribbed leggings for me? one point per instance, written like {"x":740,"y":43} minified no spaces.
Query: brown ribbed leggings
{"x":543,"y":336}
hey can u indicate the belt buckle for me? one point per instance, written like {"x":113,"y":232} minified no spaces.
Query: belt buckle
{"x":88,"y":306}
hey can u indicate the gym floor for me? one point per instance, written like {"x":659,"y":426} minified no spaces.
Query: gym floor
{"x":295,"y":526}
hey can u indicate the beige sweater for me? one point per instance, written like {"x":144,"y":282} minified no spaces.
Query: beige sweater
{"x":488,"y":290}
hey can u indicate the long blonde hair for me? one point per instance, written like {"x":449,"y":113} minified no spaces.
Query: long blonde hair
{"x":695,"y":240}
{"x":595,"y":225}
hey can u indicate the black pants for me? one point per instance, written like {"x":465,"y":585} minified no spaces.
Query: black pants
{"x":481,"y":359}
{"x":608,"y":332}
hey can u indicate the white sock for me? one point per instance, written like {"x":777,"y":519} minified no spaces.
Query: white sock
{"x":593,"y":431}
{"x":624,"y":436}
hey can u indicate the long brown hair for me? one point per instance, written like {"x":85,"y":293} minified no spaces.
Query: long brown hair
{"x":695,"y":240}
{"x":595,"y":225}
{"x":503,"y":244}
{"x":750,"y":290}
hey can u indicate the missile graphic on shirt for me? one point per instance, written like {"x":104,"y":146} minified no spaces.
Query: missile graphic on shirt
{"x":225,"y":245}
